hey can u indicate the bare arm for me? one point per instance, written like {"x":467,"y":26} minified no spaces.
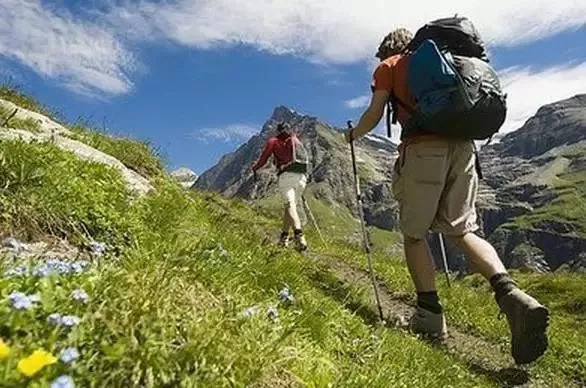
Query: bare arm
{"x":372,"y":116}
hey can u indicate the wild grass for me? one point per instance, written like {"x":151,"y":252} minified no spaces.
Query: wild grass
{"x":168,"y":300}
{"x":469,"y":306}
{"x":166,"y":303}
{"x":14,"y":94}
{"x":568,"y":208}
{"x":139,"y":156}
{"x":14,"y":122}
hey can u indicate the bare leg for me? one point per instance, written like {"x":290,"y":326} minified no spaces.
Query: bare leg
{"x":420,"y":264}
{"x":481,"y":254}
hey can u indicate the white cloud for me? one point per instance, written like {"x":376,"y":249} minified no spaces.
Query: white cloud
{"x":233,"y":133}
{"x":358,"y":102}
{"x":334,"y":31}
{"x":82,"y":55}
{"x":528,"y":89}
{"x":94,"y":52}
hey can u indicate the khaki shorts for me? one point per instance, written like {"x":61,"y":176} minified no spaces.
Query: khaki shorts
{"x":435,"y":183}
{"x":291,"y":186}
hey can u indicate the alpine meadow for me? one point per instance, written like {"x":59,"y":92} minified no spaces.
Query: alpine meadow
{"x":279,"y":194}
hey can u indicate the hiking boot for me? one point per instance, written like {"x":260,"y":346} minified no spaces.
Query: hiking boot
{"x":300,"y":243}
{"x":284,"y":240}
{"x":428,"y":323}
{"x":528,"y":320}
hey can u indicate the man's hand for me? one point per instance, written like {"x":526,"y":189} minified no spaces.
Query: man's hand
{"x":372,"y":116}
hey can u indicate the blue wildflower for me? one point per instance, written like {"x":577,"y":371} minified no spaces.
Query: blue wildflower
{"x":76,"y":268}
{"x":80,"y":295}
{"x":54,"y":319}
{"x":68,"y":355}
{"x":97,"y":248}
{"x":57,"y":319}
{"x":63,"y":381}
{"x":70,"y":320}
{"x":55,"y":266}
{"x":41,"y":271}
{"x":21,"y":301}
{"x":61,"y":267}
{"x":15,"y":296}
{"x":19,"y":270}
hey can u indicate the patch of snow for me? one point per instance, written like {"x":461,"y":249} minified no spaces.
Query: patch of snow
{"x":380,"y":139}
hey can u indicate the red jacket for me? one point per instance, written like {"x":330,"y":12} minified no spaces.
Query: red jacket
{"x":280,"y":147}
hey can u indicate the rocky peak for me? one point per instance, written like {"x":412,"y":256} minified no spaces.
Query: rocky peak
{"x":331,"y":171}
{"x":283,"y":113}
{"x":185,"y":176}
{"x":553,"y":125}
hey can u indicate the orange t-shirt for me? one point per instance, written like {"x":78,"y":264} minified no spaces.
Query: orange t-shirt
{"x":391,"y":75}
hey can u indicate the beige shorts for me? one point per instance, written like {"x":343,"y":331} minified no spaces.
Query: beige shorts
{"x":435,"y":183}
{"x":291,"y":186}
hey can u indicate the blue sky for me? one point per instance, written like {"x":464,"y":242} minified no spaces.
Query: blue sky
{"x":198,"y":77}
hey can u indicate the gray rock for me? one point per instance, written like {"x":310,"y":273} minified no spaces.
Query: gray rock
{"x":50,"y":131}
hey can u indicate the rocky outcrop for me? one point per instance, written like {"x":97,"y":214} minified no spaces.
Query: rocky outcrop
{"x":50,"y":131}
{"x":553,"y":125}
{"x":555,"y":248}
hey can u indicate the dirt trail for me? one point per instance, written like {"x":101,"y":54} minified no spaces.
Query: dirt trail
{"x":480,"y":355}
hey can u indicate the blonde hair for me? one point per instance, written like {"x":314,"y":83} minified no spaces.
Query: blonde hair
{"x":394,"y":43}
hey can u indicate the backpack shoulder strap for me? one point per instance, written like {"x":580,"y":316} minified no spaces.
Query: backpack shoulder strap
{"x":392,"y":105}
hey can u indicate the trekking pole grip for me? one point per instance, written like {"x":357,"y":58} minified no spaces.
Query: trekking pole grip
{"x":354,"y":168}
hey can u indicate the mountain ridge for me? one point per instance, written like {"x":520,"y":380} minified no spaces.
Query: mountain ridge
{"x":522,"y":173}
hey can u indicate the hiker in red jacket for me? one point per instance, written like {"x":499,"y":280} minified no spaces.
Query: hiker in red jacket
{"x":291,"y":162}
{"x":435,"y":183}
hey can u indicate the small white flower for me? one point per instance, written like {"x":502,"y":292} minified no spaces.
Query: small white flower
{"x":250,"y":312}
{"x":54,"y":319}
{"x":70,"y":320}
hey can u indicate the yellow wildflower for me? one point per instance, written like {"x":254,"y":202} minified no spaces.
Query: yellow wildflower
{"x":35,"y":362}
{"x":4,"y":349}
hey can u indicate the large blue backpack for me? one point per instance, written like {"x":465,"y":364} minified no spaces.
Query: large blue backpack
{"x":456,"y":91}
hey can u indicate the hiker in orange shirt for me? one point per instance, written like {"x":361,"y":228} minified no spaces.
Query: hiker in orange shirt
{"x":435,"y":183}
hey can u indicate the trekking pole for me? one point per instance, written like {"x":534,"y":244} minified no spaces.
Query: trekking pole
{"x":362,"y":223}
{"x":310,"y":213}
{"x":444,"y":258}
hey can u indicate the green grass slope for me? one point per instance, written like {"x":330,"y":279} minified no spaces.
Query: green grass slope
{"x":182,"y":295}
{"x":166,"y":309}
